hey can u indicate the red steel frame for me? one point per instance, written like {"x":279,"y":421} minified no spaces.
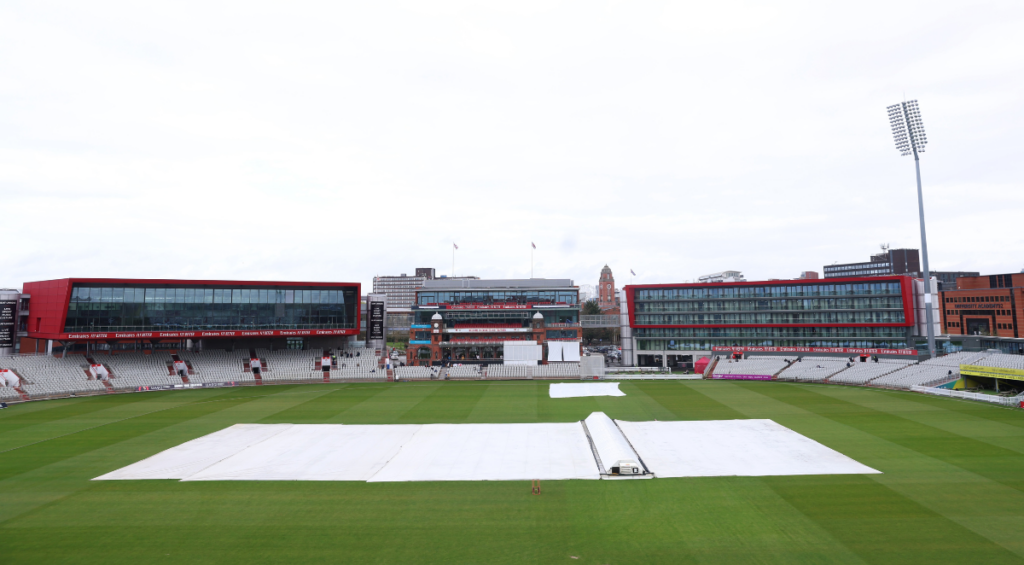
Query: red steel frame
{"x":906,"y":290}
{"x":48,"y":309}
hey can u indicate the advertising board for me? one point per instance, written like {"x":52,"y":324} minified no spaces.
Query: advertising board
{"x":375,"y":322}
{"x":843,"y":350}
{"x":8,"y":314}
{"x":992,"y":372}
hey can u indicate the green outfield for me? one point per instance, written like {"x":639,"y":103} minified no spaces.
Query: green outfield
{"x":952,"y":489}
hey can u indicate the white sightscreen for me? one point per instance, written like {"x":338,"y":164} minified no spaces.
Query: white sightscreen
{"x":522,"y":352}
{"x":554,"y":351}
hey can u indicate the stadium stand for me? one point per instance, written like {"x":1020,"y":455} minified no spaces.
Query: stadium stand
{"x":568,"y":370}
{"x":1001,"y":360}
{"x":138,"y":365}
{"x":509,"y":371}
{"x":930,"y":372}
{"x":217,"y":366}
{"x":764,"y":366}
{"x":814,"y":369}
{"x":416,"y":373}
{"x":862,"y":373}
{"x":44,"y":376}
{"x":465,"y":372}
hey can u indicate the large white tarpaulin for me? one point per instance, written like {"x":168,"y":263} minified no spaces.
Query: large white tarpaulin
{"x":574,"y":390}
{"x":335,"y":452}
{"x":489,"y":452}
{"x":749,"y":448}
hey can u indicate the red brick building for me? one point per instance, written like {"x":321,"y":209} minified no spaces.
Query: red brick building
{"x":471,"y":321}
{"x":987,"y":305}
{"x":607,"y":298}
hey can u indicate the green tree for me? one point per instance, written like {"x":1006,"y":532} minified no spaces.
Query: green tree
{"x":590,"y":308}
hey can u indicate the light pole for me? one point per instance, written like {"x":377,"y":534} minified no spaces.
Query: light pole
{"x":908,"y":133}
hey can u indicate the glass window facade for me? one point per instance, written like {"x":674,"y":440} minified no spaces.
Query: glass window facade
{"x":498,"y":296}
{"x":771,"y":307}
{"x":165,"y":308}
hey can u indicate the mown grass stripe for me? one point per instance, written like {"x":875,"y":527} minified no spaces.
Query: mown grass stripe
{"x":883,"y":526}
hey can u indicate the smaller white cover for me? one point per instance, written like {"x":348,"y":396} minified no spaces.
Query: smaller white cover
{"x":575,"y":390}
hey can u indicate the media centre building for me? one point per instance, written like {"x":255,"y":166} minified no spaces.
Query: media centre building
{"x":79,"y":314}
{"x":674,"y":325}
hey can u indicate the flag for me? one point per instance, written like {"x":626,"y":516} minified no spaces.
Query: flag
{"x":533,"y":244}
{"x":456,"y":246}
{"x":632,"y":273}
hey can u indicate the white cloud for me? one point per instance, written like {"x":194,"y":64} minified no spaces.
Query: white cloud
{"x":339,"y":141}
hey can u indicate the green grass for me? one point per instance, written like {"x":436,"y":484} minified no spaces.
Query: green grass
{"x":952,"y":488}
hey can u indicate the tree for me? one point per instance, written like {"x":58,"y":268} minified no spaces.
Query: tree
{"x":590,"y":335}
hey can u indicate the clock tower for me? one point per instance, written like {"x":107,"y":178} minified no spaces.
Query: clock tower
{"x":606,"y":290}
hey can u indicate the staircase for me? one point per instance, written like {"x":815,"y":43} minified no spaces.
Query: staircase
{"x":110,"y":389}
{"x":176,"y":359}
{"x":22,"y":393}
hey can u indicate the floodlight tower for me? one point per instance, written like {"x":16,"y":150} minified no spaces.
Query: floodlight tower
{"x":908,"y":133}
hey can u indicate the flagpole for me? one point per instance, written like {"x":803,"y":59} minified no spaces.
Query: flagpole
{"x":531,"y":260}
{"x":453,"y":260}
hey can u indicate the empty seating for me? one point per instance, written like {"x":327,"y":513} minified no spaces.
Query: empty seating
{"x":567,"y":370}
{"x":1001,"y":360}
{"x":464,"y":372}
{"x":416,"y":373}
{"x":761,"y":366}
{"x":862,"y":373}
{"x":509,"y":371}
{"x":814,"y":369}
{"x":44,"y":376}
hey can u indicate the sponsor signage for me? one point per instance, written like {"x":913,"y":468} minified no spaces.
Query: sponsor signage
{"x":419,"y":341}
{"x":375,"y":324}
{"x":992,"y":372}
{"x":843,"y":350}
{"x":486,"y":330}
{"x":8,"y":314}
{"x":500,"y":306}
{"x":743,"y":377}
{"x":978,"y":305}
{"x":202,"y":334}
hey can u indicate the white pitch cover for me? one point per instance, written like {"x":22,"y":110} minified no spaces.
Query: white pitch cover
{"x":576,"y":390}
{"x":493,"y":452}
{"x":315,"y":452}
{"x":193,"y":456}
{"x":749,"y":448}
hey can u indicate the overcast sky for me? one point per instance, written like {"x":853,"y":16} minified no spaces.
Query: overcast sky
{"x":338,"y":141}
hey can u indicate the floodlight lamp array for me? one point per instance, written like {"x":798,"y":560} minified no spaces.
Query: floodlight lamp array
{"x":907,"y":127}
